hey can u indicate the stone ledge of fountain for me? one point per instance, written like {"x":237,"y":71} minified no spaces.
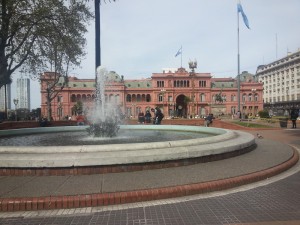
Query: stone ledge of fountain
{"x":225,"y":141}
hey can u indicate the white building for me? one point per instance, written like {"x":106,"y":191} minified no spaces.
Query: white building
{"x":281,"y":79}
{"x":23,"y":93}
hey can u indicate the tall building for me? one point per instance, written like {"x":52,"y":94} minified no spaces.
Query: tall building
{"x":2,"y":97}
{"x":23,"y":93}
{"x":177,"y":92}
{"x":281,"y":82}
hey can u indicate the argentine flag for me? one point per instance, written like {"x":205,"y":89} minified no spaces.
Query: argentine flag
{"x":240,"y":10}
{"x":179,"y":52}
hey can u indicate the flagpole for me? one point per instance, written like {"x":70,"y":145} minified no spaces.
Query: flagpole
{"x":181,"y":57}
{"x":238,"y":61}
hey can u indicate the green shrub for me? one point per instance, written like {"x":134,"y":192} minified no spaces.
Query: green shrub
{"x":263,"y":114}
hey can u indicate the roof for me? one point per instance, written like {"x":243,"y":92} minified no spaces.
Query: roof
{"x":146,"y":83}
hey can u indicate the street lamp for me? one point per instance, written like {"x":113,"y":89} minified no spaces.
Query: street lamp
{"x":243,"y":110}
{"x":134,"y":109}
{"x":272,"y":109}
{"x":16,"y":101}
{"x":253,"y":94}
{"x":97,"y":41}
{"x":97,"y":32}
{"x":193,"y":66}
{"x":59,"y":111}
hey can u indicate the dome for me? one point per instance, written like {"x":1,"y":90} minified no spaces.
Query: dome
{"x":247,"y":77}
{"x":112,"y":76}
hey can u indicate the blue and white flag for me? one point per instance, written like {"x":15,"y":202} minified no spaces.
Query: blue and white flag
{"x":240,"y":10}
{"x":179,"y":52}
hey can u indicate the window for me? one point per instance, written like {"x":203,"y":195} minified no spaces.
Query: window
{"x":244,"y":98}
{"x":73,"y":98}
{"x":160,"y":98}
{"x":59,"y":98}
{"x":233,"y":98}
{"x":202,"y":83}
{"x":160,"y":83}
{"x":202,"y":97}
{"x":250,"y":97}
{"x":128,"y":98}
{"x":148,"y":98}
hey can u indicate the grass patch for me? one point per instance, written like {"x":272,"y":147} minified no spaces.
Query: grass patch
{"x":252,"y":125}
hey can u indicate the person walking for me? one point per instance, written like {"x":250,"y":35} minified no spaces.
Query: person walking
{"x":148,"y":117}
{"x":294,"y":116}
{"x":208,"y":120}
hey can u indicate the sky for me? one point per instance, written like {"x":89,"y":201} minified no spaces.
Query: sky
{"x":141,"y":37}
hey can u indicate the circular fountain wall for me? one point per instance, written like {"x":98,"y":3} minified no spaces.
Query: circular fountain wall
{"x":218,"y":142}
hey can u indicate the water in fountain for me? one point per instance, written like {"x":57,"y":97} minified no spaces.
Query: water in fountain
{"x":105,"y":117}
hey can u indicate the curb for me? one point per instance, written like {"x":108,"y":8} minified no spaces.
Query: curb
{"x":104,"y":199}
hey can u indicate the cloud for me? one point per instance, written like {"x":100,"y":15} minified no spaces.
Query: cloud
{"x":140,"y":37}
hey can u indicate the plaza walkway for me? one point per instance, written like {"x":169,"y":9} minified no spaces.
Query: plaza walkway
{"x":272,"y":201}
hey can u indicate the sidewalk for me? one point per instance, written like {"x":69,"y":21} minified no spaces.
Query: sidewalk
{"x":272,"y":156}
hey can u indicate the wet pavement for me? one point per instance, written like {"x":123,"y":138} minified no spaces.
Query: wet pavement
{"x":273,"y":201}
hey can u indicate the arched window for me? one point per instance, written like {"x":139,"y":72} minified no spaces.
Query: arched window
{"x":89,"y":98}
{"x":160,"y":98}
{"x":133,"y":98}
{"x":202,"y":97}
{"x":117,"y":99}
{"x":244,"y":97}
{"x":73,"y":98}
{"x":233,"y":98}
{"x":143,"y":98}
{"x":128,"y":98}
{"x":250,"y":97}
{"x":148,"y":98}
{"x":181,"y":83}
{"x":83,"y":98}
{"x":256,"y":97}
{"x":78,"y":97}
{"x":138,"y":110}
{"x":138,"y":98}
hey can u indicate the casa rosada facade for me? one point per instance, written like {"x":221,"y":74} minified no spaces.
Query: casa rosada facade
{"x":177,"y":92}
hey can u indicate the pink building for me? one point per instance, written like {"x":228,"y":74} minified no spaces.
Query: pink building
{"x":178,"y":93}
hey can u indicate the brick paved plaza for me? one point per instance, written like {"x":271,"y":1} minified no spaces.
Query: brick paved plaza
{"x":272,"y":201}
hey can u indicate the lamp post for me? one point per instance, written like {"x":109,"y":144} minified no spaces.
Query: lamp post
{"x":59,"y":111}
{"x":253,"y":90}
{"x":193,"y":66}
{"x":272,"y":109}
{"x":133,"y":107}
{"x":16,"y":101}
{"x":97,"y":40}
{"x":243,"y":110}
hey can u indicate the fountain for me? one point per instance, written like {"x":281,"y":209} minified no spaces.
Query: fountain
{"x":101,"y":158}
{"x":105,"y":117}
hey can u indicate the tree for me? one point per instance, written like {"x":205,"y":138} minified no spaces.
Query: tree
{"x":77,"y":108}
{"x":187,"y":100}
{"x":43,"y":35}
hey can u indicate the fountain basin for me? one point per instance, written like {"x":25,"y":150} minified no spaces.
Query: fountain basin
{"x":224,"y":141}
